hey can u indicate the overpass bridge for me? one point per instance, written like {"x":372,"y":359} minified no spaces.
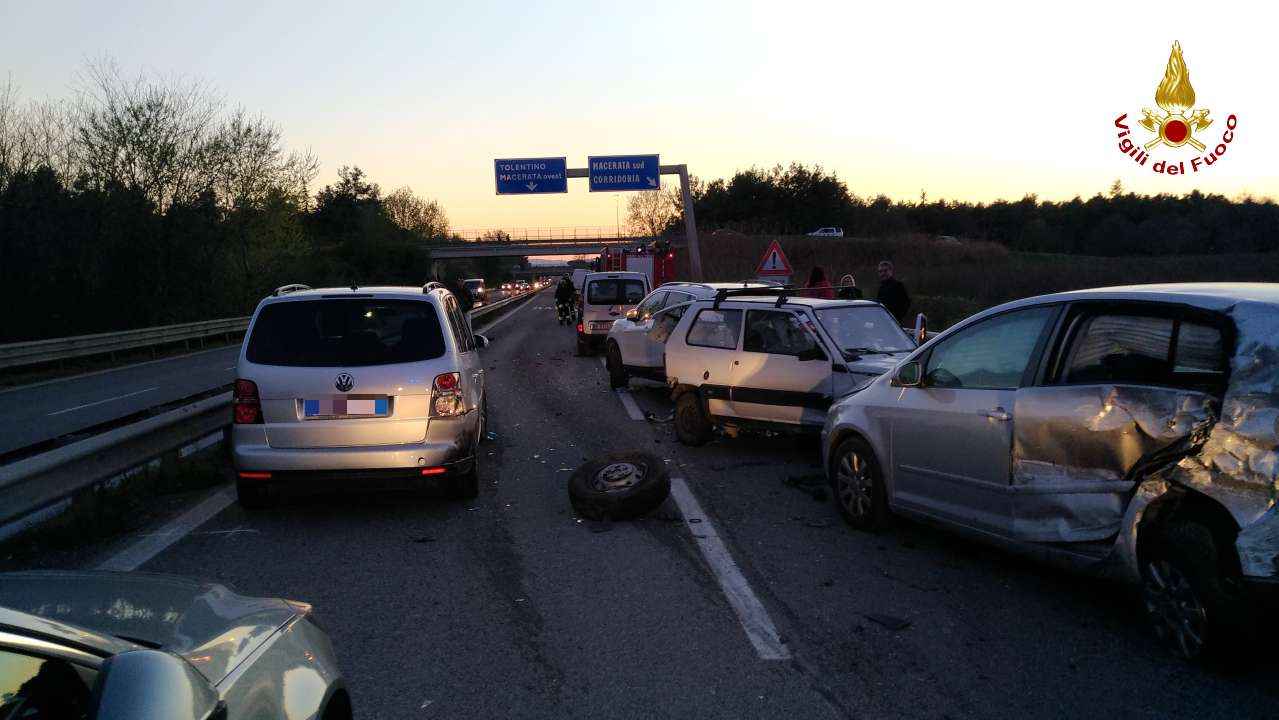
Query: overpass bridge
{"x":533,"y":242}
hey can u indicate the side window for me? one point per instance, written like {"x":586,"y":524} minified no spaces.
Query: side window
{"x":664,"y":324}
{"x":1145,"y":350}
{"x":33,"y":688}
{"x":458,"y":324}
{"x":776,"y":333}
{"x":1119,"y":348}
{"x":675,"y":298}
{"x":991,"y":355}
{"x":716,"y":329}
{"x":651,"y":304}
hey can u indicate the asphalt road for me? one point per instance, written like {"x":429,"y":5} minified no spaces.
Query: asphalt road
{"x":31,"y":414}
{"x":510,"y":607}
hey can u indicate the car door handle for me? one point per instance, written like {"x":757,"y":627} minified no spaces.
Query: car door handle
{"x":997,"y":414}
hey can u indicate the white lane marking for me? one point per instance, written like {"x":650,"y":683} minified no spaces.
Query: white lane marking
{"x":99,"y":402}
{"x":132,"y":557}
{"x":750,"y":611}
{"x":231,"y":368}
{"x":628,"y":402}
{"x":504,"y":318}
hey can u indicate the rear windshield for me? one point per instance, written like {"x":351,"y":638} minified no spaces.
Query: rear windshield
{"x":473,"y":284}
{"x":345,"y":333}
{"x":614,"y":291}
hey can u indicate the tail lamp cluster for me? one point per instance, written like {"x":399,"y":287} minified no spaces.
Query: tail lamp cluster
{"x":446,"y":395}
{"x":246,"y":403}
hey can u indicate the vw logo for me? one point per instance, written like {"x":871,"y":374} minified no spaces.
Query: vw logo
{"x":344,"y":382}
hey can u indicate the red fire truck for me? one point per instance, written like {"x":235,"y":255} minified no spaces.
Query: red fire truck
{"x":655,"y":259}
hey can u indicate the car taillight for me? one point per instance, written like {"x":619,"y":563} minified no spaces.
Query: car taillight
{"x":447,"y":400}
{"x":246,"y":403}
{"x":580,"y":327}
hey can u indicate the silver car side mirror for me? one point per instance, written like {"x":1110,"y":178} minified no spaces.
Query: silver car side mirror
{"x":908,"y":375}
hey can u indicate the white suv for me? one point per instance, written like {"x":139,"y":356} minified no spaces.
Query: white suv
{"x":358,"y":384}
{"x":636,"y":343}
{"x":760,"y":358}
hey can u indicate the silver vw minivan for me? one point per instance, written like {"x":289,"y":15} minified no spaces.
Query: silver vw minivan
{"x":358,"y":384}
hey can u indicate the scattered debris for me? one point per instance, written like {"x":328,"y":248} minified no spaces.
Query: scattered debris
{"x":694,"y":520}
{"x":490,"y":435}
{"x":814,"y":485}
{"x":653,"y":418}
{"x":423,"y":539}
{"x":820,"y":523}
{"x":888,"y":621}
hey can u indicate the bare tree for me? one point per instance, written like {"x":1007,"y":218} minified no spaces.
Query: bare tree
{"x":245,"y":163}
{"x":144,"y":133}
{"x":649,"y":213}
{"x":424,"y":218}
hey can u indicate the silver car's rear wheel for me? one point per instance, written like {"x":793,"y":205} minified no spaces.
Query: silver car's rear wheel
{"x":1178,"y":615}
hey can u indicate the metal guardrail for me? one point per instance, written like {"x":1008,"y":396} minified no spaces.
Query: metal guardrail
{"x":42,"y":351}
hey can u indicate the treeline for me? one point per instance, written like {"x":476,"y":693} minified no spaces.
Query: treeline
{"x":146,"y":201}
{"x":797,"y":200}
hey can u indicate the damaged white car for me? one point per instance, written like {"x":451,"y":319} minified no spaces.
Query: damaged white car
{"x":1128,"y":431}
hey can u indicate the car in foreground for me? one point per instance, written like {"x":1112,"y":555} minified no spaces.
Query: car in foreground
{"x":762,"y":358}
{"x":357,"y":385}
{"x":606,"y":296}
{"x":138,"y":646}
{"x":1129,"y":432}
{"x":636,"y":342}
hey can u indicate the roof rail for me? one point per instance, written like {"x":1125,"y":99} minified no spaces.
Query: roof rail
{"x":724,"y":293}
{"x":433,"y":285}
{"x":286,"y":289}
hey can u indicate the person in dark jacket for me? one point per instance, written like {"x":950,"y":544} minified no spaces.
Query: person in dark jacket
{"x":847,"y":288}
{"x":818,"y":286}
{"x":892,"y":293}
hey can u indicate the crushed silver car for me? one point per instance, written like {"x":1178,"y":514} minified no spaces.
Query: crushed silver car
{"x":1127,"y":431}
{"x":144,"y":646}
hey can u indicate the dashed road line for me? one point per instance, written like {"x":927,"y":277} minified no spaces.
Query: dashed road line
{"x":133,"y":557}
{"x":752,"y":614}
{"x":99,"y":402}
{"x":628,"y":402}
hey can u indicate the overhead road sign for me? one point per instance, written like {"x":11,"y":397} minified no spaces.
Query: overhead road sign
{"x":531,"y":176}
{"x":615,"y":173}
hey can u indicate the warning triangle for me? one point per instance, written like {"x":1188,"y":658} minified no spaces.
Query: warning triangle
{"x":774,"y":261}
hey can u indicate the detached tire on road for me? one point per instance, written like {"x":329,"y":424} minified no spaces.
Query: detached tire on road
{"x":616,"y":373}
{"x":692,"y":427}
{"x":619,"y":486}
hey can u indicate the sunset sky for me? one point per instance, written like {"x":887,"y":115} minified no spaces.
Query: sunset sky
{"x":961,"y":100}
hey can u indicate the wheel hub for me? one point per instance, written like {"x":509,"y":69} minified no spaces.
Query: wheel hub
{"x":1174,"y":608}
{"x":618,"y":476}
{"x":854,"y":485}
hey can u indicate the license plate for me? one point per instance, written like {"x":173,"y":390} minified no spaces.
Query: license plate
{"x":343,"y":406}
{"x":604,"y":326}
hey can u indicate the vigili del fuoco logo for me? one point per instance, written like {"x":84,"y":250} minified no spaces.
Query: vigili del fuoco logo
{"x":1175,"y":125}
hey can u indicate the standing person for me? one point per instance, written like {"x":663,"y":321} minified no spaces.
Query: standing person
{"x":892,"y":293}
{"x":847,"y":288}
{"x":818,"y":286}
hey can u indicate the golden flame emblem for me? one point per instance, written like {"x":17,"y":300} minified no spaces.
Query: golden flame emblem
{"x":1175,"y":96}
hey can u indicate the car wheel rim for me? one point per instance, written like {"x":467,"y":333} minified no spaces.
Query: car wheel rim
{"x":617,"y":477}
{"x":854,"y":484}
{"x":1178,"y":616}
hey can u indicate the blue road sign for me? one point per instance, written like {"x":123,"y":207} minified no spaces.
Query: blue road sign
{"x":611,"y":173}
{"x":531,"y":176}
